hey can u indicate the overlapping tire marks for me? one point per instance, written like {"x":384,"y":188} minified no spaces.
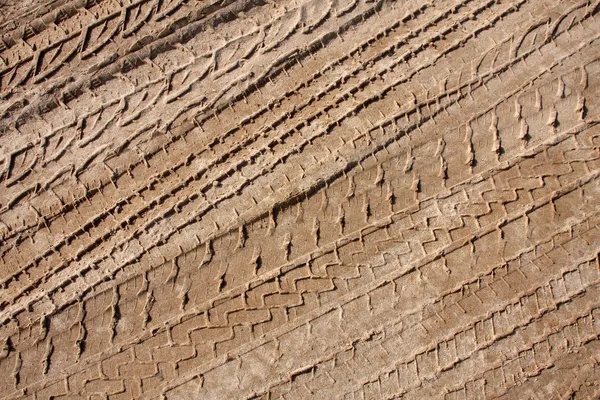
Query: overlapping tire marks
{"x":435,"y":319}
{"x":77,"y":22}
{"x":259,"y":368}
{"x":411,"y":286}
{"x":118,"y":170}
{"x":200,"y":173}
{"x":444,"y":361}
{"x":166,"y":171}
{"x":216,"y":262}
{"x":81,"y":231}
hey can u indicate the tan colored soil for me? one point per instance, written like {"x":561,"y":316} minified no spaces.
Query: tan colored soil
{"x":300,"y":199}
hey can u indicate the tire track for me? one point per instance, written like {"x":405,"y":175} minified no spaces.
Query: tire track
{"x":579,"y":382}
{"x":575,"y":319}
{"x":179,"y":166}
{"x":125,"y":170}
{"x":302,"y":325}
{"x":463,"y":242}
{"x":106,"y":236}
{"x":447,"y":352}
{"x":240,"y":225}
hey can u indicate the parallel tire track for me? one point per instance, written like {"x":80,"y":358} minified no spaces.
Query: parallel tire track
{"x":300,"y":199}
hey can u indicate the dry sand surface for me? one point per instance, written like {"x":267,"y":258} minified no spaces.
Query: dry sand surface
{"x":299,"y":199}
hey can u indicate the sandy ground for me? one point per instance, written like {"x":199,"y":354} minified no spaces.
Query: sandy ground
{"x":256,"y":199}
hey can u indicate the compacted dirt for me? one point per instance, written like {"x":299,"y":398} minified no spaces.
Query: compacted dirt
{"x":261,"y":199}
